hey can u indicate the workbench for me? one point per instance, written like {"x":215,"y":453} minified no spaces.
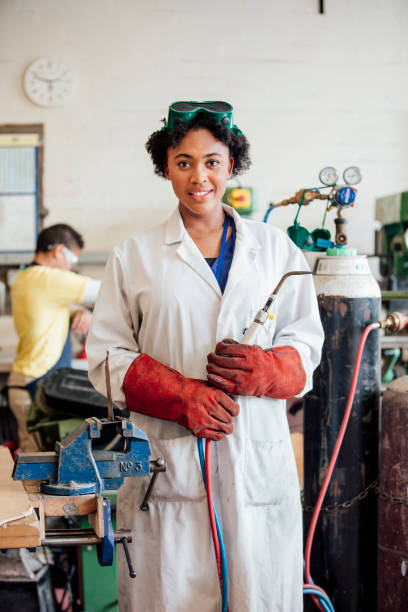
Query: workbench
{"x":23,"y":517}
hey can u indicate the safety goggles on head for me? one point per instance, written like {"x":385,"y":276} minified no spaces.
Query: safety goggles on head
{"x":182,"y":112}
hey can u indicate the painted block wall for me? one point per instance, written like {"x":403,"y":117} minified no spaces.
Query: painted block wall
{"x":309,"y":90}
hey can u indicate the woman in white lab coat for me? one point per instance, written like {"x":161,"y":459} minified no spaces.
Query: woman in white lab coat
{"x":169,"y":298}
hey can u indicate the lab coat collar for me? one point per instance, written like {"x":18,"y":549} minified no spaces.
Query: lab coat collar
{"x":176,"y":232}
{"x":244,"y":235}
{"x":246,"y":245}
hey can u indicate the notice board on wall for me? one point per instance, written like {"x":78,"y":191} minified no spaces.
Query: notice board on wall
{"x":21,"y":211}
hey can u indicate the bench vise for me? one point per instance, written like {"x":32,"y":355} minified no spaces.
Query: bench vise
{"x":76,"y":469}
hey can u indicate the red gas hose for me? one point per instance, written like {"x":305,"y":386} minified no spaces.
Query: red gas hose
{"x":329,"y":473}
{"x":211,"y":508}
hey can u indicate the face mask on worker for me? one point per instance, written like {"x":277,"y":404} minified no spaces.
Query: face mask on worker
{"x":70,"y":257}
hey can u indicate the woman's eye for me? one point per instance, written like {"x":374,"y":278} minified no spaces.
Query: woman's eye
{"x":183,"y":164}
{"x":213,"y":162}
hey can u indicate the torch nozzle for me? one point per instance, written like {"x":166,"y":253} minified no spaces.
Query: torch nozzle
{"x":396,"y":321}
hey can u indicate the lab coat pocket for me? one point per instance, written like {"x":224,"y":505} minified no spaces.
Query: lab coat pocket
{"x":266,"y":475}
{"x":182,"y":479}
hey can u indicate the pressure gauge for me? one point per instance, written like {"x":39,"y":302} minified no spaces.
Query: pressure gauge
{"x":352,"y":175}
{"x":328,"y":176}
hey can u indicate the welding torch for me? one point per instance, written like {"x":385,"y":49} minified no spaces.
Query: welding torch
{"x":264,"y":313}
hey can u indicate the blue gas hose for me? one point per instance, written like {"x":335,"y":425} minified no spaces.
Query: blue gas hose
{"x":268,"y":212}
{"x":323,"y":598}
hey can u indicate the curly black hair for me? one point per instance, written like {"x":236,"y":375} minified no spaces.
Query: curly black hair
{"x":159,"y":142}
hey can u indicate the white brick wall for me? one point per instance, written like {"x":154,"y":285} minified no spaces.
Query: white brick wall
{"x":309,"y":90}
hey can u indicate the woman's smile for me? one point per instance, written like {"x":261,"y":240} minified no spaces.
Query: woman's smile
{"x":200,"y":196}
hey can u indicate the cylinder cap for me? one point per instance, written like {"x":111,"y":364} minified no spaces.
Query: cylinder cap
{"x":339,"y":250}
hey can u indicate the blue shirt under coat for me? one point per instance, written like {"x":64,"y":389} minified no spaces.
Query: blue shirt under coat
{"x":227,"y":259}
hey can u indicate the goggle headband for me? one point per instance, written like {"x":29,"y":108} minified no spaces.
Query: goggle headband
{"x":183,"y":112}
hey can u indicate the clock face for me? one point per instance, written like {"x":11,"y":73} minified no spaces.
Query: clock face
{"x":48,"y":82}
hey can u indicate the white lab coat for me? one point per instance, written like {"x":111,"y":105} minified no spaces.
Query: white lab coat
{"x":160,"y":297}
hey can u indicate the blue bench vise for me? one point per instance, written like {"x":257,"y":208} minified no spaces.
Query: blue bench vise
{"x":75,"y":469}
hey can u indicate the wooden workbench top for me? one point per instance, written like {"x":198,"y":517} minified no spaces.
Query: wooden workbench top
{"x":23,"y":509}
{"x":19,"y":524}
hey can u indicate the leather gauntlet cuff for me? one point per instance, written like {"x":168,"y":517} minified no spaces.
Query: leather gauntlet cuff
{"x":152,"y":388}
{"x":289,"y":376}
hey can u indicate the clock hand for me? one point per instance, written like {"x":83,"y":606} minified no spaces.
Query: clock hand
{"x":40,"y":78}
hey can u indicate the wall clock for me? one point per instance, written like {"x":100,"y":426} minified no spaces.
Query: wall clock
{"x":48,"y":82}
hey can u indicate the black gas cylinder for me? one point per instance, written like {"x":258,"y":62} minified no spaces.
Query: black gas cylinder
{"x":343,"y":559}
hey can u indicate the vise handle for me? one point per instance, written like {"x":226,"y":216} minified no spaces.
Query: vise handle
{"x":156,"y":467}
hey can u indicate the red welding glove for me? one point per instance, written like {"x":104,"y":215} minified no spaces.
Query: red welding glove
{"x":242,"y":369}
{"x":154,"y":389}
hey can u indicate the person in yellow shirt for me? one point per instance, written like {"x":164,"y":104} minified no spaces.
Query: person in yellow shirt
{"x":41,"y":296}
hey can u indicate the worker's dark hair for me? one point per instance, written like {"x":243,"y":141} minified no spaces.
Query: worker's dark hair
{"x":58,"y":234}
{"x":159,"y":142}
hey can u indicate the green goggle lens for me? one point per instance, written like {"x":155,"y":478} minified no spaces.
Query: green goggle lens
{"x":182,"y":112}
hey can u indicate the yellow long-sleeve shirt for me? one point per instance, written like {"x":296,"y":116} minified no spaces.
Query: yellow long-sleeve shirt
{"x":40,"y":299}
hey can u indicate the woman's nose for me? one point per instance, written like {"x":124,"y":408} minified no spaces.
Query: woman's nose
{"x":199,"y":174}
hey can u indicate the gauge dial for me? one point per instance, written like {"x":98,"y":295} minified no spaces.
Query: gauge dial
{"x":352,"y":175}
{"x":328,"y":176}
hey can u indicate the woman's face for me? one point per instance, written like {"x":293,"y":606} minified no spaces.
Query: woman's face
{"x":198,"y":168}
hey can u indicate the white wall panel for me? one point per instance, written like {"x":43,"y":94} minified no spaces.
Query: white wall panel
{"x":309,"y":90}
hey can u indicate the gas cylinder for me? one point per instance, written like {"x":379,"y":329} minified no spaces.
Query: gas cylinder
{"x":393,"y":500}
{"x":343,"y":559}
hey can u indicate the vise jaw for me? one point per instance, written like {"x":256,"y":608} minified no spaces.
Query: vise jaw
{"x":75,"y":469}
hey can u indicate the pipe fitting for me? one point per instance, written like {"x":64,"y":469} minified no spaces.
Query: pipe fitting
{"x":396,"y":321}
